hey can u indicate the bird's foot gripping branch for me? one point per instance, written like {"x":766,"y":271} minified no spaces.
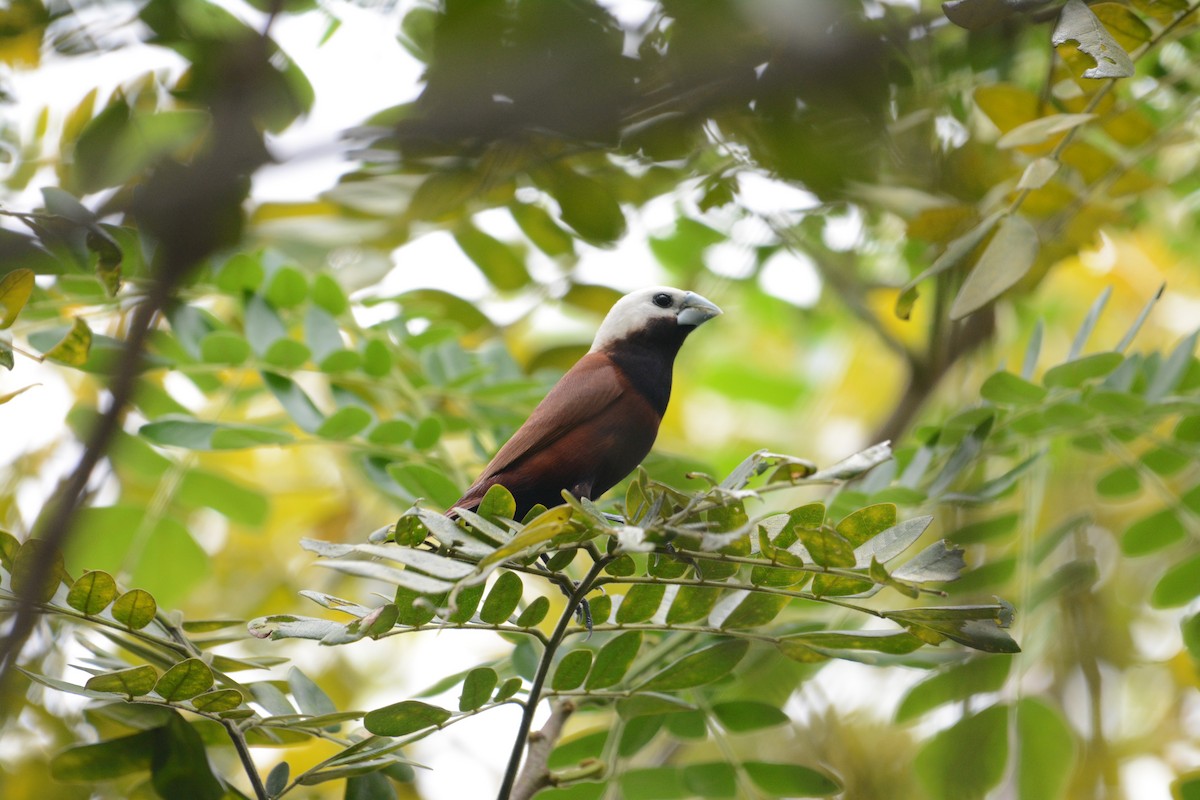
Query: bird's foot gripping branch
{"x":686,"y":587}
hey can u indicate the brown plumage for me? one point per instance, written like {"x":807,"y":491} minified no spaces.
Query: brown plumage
{"x":600,"y":420}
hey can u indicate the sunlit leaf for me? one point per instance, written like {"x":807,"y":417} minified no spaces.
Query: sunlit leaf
{"x":135,"y":609}
{"x":73,"y":348}
{"x":16,"y":287}
{"x":132,"y":682}
{"x":184,"y":680}
{"x":92,"y":593}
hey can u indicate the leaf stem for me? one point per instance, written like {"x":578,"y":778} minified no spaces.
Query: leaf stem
{"x":539,"y":678}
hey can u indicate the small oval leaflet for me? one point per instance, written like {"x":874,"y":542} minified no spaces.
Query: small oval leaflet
{"x":405,"y":717}
{"x":477,"y":688}
{"x":571,"y":670}
{"x":696,"y":669}
{"x":136,"y":609}
{"x":132,"y":682}
{"x":614,"y":660}
{"x":185,"y":680}
{"x":92,"y":593}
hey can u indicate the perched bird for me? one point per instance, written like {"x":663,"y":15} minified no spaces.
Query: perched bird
{"x":601,"y":418}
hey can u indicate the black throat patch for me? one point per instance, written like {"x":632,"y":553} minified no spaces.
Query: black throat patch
{"x":647,"y":357}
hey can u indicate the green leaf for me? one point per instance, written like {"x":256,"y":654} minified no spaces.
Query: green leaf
{"x":497,"y":504}
{"x":405,"y":717}
{"x":1004,"y":261}
{"x":389,"y":432}
{"x":310,"y":698}
{"x":92,"y":593}
{"x":739,"y":716}
{"x":224,"y":347}
{"x":1074,"y":373}
{"x":1119,"y":482}
{"x":542,"y":230}
{"x":572,"y":670}
{"x":802,"y":646}
{"x":985,"y":530}
{"x":1178,"y":585}
{"x":16,"y":287}
{"x":499,"y":262}
{"x":26,"y":559}
{"x":955,"y":683}
{"x":968,"y":758}
{"x":866,"y":523}
{"x":133,"y":682}
{"x":135,"y":609}
{"x":179,"y":766}
{"x":377,"y":359}
{"x":647,"y":703}
{"x":286,"y":287}
{"x":714,"y":779}
{"x":507,"y":689}
{"x":1078,"y":24}
{"x":422,"y":481}
{"x":979,"y":627}
{"x":825,"y":547}
{"x":1008,"y":389}
{"x":277,"y":779}
{"x":534,"y":613}
{"x":220,"y":700}
{"x":696,"y":669}
{"x":503,"y":599}
{"x":586,"y":205}
{"x":755,"y":609}
{"x":1167,"y":377}
{"x":1046,"y":758}
{"x":202,"y":489}
{"x":790,"y":780}
{"x":1153,"y":533}
{"x":73,"y":348}
{"x":327,"y":293}
{"x":614,"y":660}
{"x":660,"y":783}
{"x":104,"y":761}
{"x":295,"y":401}
{"x":640,"y":603}
{"x":184,"y":680}
{"x":178,"y":431}
{"x":477,"y":688}
{"x":344,"y":423}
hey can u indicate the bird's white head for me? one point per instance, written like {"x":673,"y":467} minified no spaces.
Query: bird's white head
{"x":637,"y":310}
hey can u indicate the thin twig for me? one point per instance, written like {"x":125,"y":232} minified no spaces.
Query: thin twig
{"x":539,"y":678}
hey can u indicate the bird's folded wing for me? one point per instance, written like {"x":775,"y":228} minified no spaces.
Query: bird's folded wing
{"x":591,"y":386}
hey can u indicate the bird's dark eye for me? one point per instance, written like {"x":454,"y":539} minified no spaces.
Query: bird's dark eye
{"x":662,"y":300}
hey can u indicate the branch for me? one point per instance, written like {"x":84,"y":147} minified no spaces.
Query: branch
{"x":539,"y":679}
{"x":536,"y":775}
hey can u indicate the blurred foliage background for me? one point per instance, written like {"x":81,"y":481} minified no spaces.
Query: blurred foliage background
{"x":942,"y":225}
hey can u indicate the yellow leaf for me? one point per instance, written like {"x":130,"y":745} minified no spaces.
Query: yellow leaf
{"x":15,"y":289}
{"x":4,"y":398}
{"x":1125,"y":26}
{"x":74,"y":347}
{"x":1007,"y":106}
